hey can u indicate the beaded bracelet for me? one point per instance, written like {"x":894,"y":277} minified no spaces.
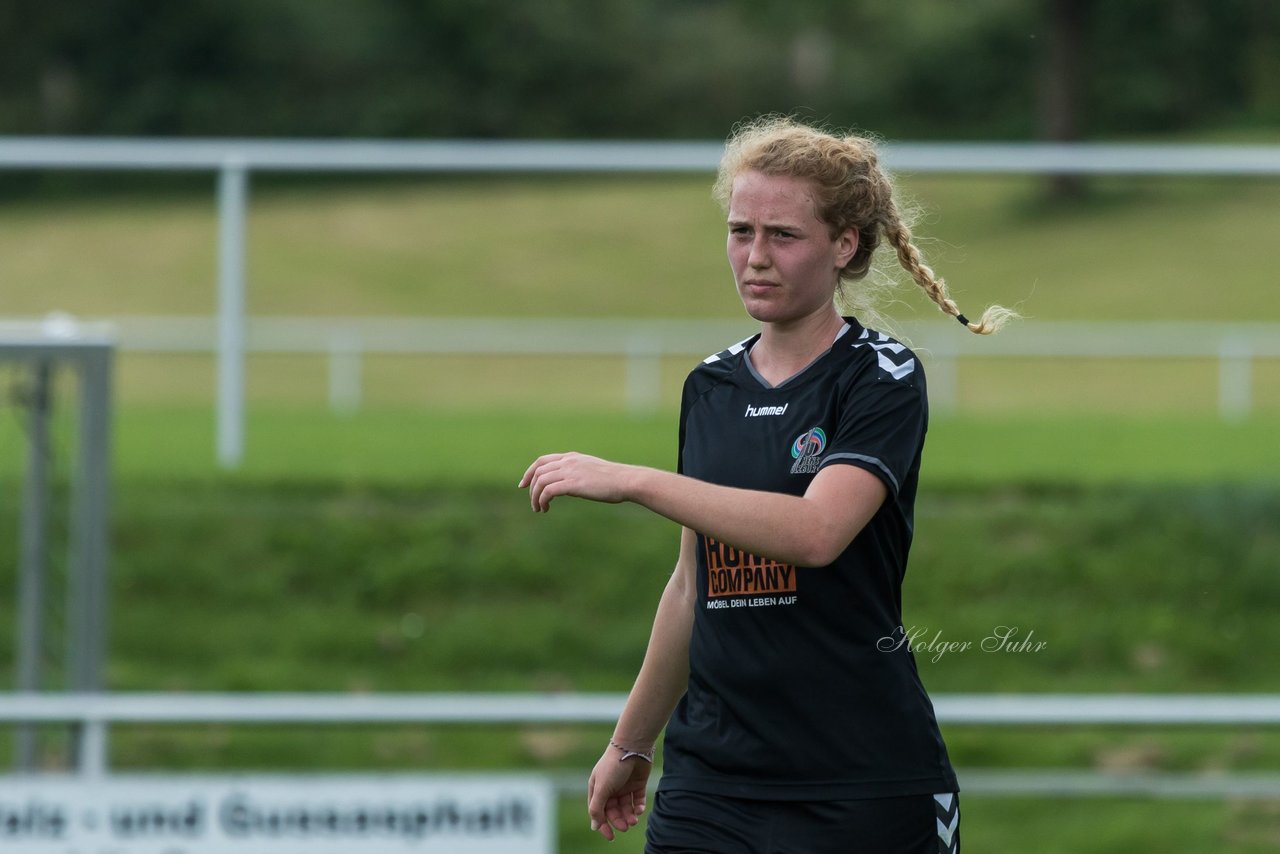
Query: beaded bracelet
{"x":646,"y":755}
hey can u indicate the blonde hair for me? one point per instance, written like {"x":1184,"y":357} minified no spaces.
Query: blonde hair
{"x":852,"y":191}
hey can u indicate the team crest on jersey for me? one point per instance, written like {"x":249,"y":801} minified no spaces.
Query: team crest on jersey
{"x":807,"y":450}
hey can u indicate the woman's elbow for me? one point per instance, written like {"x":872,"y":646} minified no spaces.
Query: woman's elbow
{"x":822,"y":548}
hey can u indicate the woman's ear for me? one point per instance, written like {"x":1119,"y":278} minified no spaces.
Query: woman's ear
{"x":846,"y":246}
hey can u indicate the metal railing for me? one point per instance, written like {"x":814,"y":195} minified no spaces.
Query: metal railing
{"x":83,"y":619}
{"x":345,"y":341}
{"x":93,"y":714}
{"x":233,"y":159}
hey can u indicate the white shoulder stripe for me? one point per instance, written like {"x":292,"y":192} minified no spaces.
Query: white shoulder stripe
{"x":894,"y":370}
{"x":731,"y":351}
{"x":889,"y":354}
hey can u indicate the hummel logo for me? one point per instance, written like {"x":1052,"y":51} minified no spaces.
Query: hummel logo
{"x":888,"y":361}
{"x":757,"y":411}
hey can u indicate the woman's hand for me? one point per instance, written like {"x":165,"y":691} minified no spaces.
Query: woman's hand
{"x":574,"y":474}
{"x":616,"y":793}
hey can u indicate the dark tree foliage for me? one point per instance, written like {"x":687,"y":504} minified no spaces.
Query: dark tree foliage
{"x":626,"y":68}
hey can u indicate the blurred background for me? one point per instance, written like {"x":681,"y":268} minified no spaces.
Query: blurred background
{"x":923,"y":69}
{"x":1105,"y":475}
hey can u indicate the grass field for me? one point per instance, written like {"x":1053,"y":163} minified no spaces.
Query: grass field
{"x":1103,"y":506}
{"x":1137,"y":249}
{"x":494,"y":447}
{"x":335,"y":582}
{"x":357,"y":554}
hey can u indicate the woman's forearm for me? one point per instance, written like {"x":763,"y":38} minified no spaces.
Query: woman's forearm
{"x":808,"y":530}
{"x":664,"y":675}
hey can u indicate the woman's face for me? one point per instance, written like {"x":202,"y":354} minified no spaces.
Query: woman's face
{"x":785,"y":261}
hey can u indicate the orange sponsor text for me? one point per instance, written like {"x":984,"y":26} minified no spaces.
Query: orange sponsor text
{"x":732,"y":572}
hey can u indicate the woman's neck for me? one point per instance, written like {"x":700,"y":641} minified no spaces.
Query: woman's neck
{"x":785,"y":350}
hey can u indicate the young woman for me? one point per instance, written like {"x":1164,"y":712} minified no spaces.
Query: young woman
{"x":794,"y":720}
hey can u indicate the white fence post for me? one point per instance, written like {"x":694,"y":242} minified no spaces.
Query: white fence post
{"x":1235,"y":377}
{"x":345,"y":348}
{"x":644,"y":374}
{"x":92,"y":760}
{"x":943,"y":379}
{"x":233,"y":191}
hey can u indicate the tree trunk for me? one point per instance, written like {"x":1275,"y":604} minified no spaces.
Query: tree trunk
{"x":1060,"y":99}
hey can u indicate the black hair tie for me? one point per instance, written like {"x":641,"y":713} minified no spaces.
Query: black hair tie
{"x":964,"y":320}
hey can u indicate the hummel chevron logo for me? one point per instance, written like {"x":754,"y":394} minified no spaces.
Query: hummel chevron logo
{"x":948,"y":809}
{"x":890,"y":355}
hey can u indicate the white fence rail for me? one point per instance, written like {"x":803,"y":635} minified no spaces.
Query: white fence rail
{"x":344,"y":341}
{"x":303,"y":155}
{"x":93,"y":714}
{"x":234,"y":159}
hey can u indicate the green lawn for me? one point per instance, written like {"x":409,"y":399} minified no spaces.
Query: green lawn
{"x":1137,"y":249}
{"x":1104,"y":507}
{"x":495,"y":447}
{"x":357,"y":580}
{"x":383,"y":551}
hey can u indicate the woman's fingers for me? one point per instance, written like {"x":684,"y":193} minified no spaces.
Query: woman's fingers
{"x":545,"y":485}
{"x":537,"y":477}
{"x":527,"y":478}
{"x":570,"y":473}
{"x":598,"y":811}
{"x":616,"y":795}
{"x":622,"y":813}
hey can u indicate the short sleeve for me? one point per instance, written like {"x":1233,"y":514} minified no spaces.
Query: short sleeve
{"x":881,"y":427}
{"x":684,"y":414}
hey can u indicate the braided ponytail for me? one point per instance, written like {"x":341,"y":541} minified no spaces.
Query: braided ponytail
{"x":888,"y":221}
{"x":899,"y":237}
{"x":852,"y":191}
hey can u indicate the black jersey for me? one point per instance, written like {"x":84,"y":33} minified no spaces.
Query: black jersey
{"x":794,"y":693}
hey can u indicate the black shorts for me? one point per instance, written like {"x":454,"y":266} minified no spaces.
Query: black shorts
{"x":695,"y":823}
